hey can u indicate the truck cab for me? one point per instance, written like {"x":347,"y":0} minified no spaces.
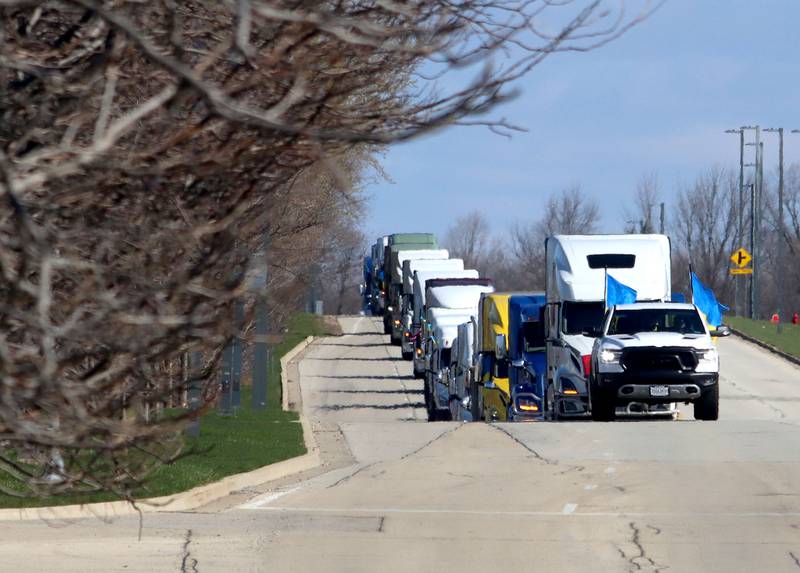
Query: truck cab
{"x":386,"y":245}
{"x":420,"y":307}
{"x":576,"y":270}
{"x":493,"y":362}
{"x":449,"y":303}
{"x":397,"y":256}
{"x":527,"y":355}
{"x":434,"y":268}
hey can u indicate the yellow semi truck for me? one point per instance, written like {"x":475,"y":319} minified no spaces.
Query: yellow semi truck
{"x":493,"y":356}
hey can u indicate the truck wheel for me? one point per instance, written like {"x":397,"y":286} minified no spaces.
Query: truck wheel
{"x":476,"y":402}
{"x":603,"y":407}
{"x":551,"y":405}
{"x":707,"y":406}
{"x":407,"y":355}
{"x":387,"y":326}
{"x":394,"y":340}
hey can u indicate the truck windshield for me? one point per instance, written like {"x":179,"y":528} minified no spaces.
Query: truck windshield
{"x":683,"y":321}
{"x":533,"y":335}
{"x":578,"y":317}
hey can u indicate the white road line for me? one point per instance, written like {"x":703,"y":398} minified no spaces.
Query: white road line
{"x":262,"y":500}
{"x":412,"y":511}
{"x":569,"y":508}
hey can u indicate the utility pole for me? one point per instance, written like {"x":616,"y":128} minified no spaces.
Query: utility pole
{"x":740,"y":229}
{"x":759,"y":209}
{"x":260,"y":349}
{"x":778,"y":279}
{"x":662,"y":218}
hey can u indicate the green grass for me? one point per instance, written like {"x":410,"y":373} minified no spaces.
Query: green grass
{"x":227,"y":444}
{"x":788,"y":341}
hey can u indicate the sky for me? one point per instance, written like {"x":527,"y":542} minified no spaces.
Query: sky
{"x":657,"y":100}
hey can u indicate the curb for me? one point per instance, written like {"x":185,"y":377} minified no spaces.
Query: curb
{"x":196,"y":497}
{"x":288,"y":357}
{"x":785,"y":355}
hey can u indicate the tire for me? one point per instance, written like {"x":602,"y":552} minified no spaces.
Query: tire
{"x":407,"y":355}
{"x":393,"y":340}
{"x":551,"y":405}
{"x":419,"y":375}
{"x":476,"y":402}
{"x":603,"y":407}
{"x":707,"y":406}
{"x":429,"y":401}
{"x":387,"y":326}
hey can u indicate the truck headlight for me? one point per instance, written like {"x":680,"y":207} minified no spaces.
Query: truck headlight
{"x":610,"y":356}
{"x":707,"y":356}
{"x":707,"y":360}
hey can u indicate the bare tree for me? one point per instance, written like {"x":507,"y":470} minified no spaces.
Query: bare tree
{"x":704,"y":231}
{"x":643,"y":216}
{"x":147,"y":150}
{"x":569,"y":212}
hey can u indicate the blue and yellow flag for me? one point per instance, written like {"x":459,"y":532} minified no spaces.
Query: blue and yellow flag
{"x":705,"y":301}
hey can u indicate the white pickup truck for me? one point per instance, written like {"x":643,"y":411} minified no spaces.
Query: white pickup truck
{"x":655,"y":353}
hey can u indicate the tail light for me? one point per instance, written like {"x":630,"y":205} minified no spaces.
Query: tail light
{"x":587,"y":364}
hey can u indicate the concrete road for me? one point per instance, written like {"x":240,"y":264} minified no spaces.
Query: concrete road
{"x":399,"y":494}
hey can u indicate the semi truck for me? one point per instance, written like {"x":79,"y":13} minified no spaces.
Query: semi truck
{"x":410,"y":267}
{"x":492,"y":357}
{"x":448,"y":303}
{"x":394,"y":291}
{"x":373,"y":285}
{"x":396,"y":243}
{"x":576,"y":269}
{"x":417,"y":332}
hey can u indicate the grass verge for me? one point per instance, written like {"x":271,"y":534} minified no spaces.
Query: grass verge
{"x":788,"y":341}
{"x":228,"y":444}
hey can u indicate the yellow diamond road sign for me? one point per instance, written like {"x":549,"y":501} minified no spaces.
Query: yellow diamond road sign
{"x":741,"y":258}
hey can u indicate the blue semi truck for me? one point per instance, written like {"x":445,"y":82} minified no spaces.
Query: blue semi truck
{"x":527,"y":356}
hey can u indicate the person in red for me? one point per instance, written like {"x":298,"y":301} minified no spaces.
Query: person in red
{"x":795,"y":319}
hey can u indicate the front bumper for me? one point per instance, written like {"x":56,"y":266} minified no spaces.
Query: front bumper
{"x":636,"y":386}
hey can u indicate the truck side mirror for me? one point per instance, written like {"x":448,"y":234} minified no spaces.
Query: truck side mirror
{"x":518,"y":363}
{"x":721,"y":331}
{"x":500,"y":346}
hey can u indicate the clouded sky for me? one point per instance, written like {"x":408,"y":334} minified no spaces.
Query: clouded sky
{"x":656,"y":100}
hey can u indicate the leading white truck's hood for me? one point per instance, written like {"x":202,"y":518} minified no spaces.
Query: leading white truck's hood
{"x":657,"y":339}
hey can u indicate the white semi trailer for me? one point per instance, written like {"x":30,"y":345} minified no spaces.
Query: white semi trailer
{"x":409,"y":268}
{"x":421,"y":279}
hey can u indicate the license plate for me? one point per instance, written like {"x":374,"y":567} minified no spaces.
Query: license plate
{"x":659,"y":391}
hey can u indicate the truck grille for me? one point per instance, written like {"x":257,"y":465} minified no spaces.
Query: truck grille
{"x":659,"y":359}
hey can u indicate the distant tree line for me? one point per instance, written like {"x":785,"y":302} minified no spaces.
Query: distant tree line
{"x":701,"y":219}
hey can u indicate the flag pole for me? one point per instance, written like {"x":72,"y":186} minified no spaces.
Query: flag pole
{"x":605,"y":291}
{"x":691,"y":284}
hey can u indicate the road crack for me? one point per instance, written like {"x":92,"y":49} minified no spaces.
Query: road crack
{"x":351,"y":475}
{"x":795,"y":558}
{"x":641,"y":561}
{"x":431,"y":442}
{"x":188,"y":563}
{"x":536,"y":454}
